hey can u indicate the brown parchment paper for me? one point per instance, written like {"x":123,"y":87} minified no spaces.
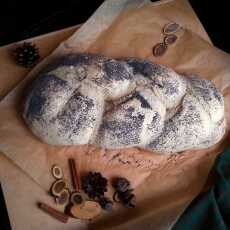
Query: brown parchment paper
{"x":164,"y":184}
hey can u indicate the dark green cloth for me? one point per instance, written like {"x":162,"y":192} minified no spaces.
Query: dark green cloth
{"x":211,"y":210}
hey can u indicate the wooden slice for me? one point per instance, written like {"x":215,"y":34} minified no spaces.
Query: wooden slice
{"x":57,"y":172}
{"x":89,"y":210}
{"x":57,"y":187}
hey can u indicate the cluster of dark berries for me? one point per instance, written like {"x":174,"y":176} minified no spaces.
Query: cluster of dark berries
{"x":95,"y":185}
{"x":123,"y":193}
{"x":26,"y":55}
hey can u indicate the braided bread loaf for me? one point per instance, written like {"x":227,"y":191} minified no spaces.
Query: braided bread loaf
{"x":92,"y":99}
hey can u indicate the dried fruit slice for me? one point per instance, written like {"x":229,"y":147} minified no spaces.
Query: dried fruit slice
{"x":171,"y":28}
{"x":89,"y":210}
{"x":170,"y":39}
{"x":57,"y":187}
{"x":57,"y":172}
{"x":77,"y":198}
{"x":63,"y":198}
{"x":159,"y":49}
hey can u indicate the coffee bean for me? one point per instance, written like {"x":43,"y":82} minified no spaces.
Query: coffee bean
{"x":170,"y":39}
{"x":159,"y":49}
{"x":171,"y":28}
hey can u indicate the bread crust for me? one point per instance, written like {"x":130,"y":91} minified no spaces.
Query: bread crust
{"x":92,"y":99}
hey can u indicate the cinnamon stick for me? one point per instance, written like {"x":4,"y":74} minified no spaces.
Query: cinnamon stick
{"x":53,"y":212}
{"x":74,"y":174}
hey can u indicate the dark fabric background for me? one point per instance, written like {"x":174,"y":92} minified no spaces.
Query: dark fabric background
{"x":20,"y":19}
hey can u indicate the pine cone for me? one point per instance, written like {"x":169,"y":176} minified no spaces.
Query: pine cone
{"x":94,"y":185}
{"x":26,"y":55}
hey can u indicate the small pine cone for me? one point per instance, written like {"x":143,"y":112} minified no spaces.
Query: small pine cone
{"x":26,"y":55}
{"x":94,"y":184}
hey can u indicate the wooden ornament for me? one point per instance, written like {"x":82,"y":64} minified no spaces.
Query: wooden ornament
{"x":57,"y":172}
{"x":89,"y":210}
{"x":58,"y":186}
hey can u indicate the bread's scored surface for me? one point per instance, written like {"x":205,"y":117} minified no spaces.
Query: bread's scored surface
{"x":92,"y":99}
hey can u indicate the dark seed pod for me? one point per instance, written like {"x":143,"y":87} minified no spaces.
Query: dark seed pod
{"x":126,"y":198}
{"x":121,"y":184}
{"x":159,"y":49}
{"x":115,"y":197}
{"x":171,"y":28}
{"x":105,"y":203}
{"x":77,"y":198}
{"x":125,"y":195}
{"x":170,"y":39}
